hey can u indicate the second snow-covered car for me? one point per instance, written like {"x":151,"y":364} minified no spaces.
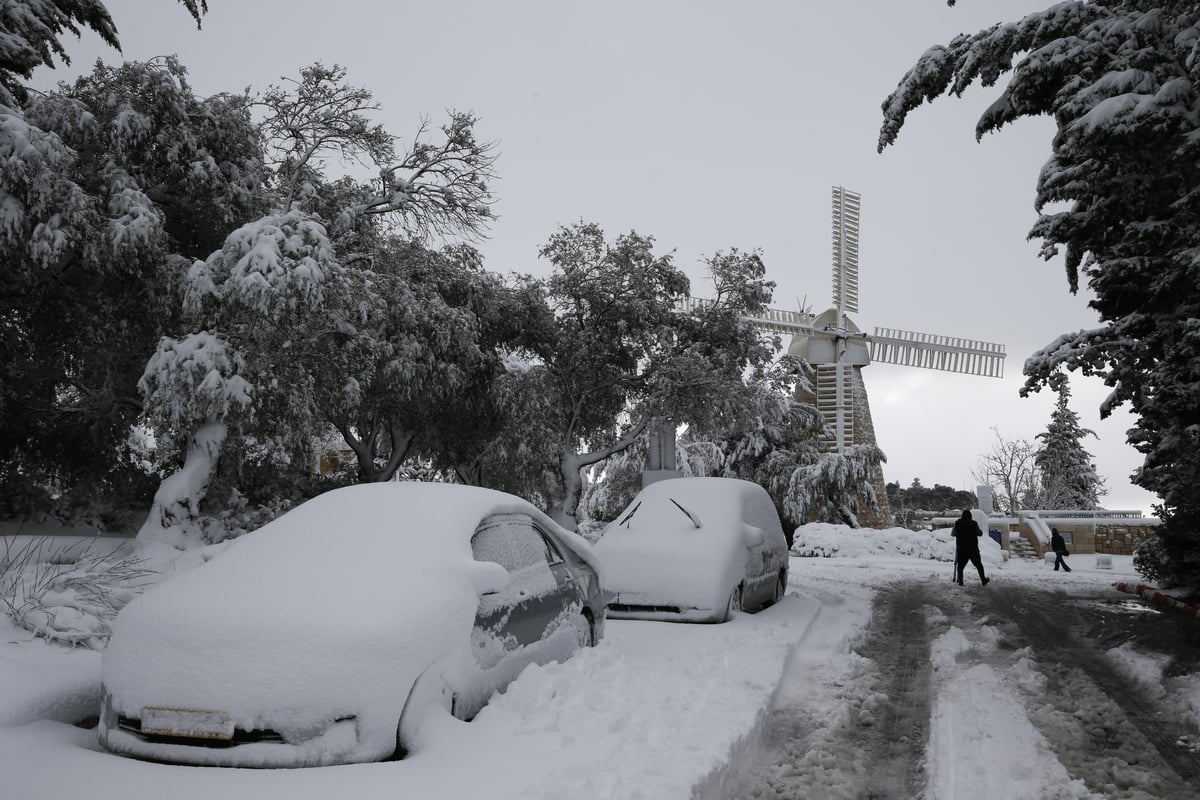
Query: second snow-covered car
{"x":694,"y":549}
{"x":328,"y":635}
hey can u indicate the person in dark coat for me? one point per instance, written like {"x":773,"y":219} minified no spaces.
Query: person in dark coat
{"x":1059,"y":546}
{"x":967,"y":534}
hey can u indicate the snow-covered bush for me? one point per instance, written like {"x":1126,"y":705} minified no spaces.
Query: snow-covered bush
{"x":591,"y":529}
{"x":823,"y":540}
{"x":1150,"y":559}
{"x":68,"y":595}
{"x":239,"y":516}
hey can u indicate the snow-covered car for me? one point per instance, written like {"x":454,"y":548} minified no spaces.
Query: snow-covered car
{"x":330,"y":634}
{"x":694,"y":549}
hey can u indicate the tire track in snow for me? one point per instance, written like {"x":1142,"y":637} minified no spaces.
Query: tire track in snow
{"x":864,"y":736}
{"x":982,"y":742}
{"x":1103,"y":730}
{"x":900,"y":648}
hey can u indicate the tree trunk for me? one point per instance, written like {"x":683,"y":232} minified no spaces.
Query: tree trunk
{"x":469,"y":474}
{"x":366,"y":448}
{"x":175,"y":512}
{"x":570,"y":465}
{"x":401,"y":442}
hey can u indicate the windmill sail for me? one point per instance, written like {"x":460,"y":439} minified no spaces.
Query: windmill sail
{"x":930,"y":351}
{"x":846,"y":211}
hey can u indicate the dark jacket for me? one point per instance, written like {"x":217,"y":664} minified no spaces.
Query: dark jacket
{"x":1057,"y":543}
{"x":966,"y":535}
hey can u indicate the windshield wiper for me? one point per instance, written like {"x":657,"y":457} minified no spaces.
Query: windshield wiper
{"x":690,"y":515}
{"x":629,"y":516}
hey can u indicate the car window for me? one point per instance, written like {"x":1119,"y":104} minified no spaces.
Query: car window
{"x":761,"y":513}
{"x":553,"y":554}
{"x":512,"y":541}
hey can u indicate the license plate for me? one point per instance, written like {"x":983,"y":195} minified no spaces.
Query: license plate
{"x":185,"y":722}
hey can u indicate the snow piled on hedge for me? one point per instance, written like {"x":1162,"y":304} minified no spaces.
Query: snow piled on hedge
{"x":824,"y":540}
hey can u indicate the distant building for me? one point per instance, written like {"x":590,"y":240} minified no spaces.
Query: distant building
{"x":1086,"y":531}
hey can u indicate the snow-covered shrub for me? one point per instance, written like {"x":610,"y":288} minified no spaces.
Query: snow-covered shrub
{"x":1150,"y":560}
{"x":824,"y":540}
{"x":239,"y":517}
{"x":23,"y":497}
{"x":110,"y":504}
{"x":591,"y":529}
{"x":68,"y":595}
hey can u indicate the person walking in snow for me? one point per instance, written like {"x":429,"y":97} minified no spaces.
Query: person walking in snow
{"x":967,"y":534}
{"x":1059,"y":546}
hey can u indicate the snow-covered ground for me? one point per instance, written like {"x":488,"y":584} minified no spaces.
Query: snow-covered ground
{"x":662,"y":711}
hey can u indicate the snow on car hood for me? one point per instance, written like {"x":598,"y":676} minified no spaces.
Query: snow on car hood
{"x":659,"y":553}
{"x":331,"y":610}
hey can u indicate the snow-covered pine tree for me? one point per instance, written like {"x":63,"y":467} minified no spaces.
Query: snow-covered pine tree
{"x":272,"y":280}
{"x":1066,"y":472}
{"x":32,"y":36}
{"x":829,"y":487}
{"x":1121,"y":79}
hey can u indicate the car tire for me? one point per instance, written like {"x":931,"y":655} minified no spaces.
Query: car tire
{"x":430,"y":689}
{"x":735,"y":603}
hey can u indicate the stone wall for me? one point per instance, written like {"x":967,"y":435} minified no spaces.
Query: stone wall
{"x":864,"y":433}
{"x":1121,"y":539}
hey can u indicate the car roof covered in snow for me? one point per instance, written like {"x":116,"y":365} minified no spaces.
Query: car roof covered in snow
{"x":680,"y":508}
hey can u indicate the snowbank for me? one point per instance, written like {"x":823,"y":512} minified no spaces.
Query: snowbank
{"x":823,"y":540}
{"x":39,"y":680}
{"x":652,"y":712}
{"x":656,"y":712}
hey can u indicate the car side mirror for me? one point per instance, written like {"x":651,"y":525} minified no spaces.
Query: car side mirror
{"x":488,"y":577}
{"x":752,"y":536}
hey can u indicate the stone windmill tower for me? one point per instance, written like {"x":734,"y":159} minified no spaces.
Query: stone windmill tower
{"x":838,"y":350}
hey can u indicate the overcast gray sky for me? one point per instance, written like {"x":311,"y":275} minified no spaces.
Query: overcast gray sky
{"x":709,"y":125}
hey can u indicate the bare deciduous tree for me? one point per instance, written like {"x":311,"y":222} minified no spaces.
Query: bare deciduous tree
{"x":1011,"y":471}
{"x":440,"y":186}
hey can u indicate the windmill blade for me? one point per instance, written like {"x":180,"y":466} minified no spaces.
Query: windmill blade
{"x":776,"y":320}
{"x":846,"y":209}
{"x":768,"y":320}
{"x":931,"y":351}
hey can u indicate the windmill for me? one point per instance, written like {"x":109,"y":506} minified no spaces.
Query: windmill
{"x":838,"y":350}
